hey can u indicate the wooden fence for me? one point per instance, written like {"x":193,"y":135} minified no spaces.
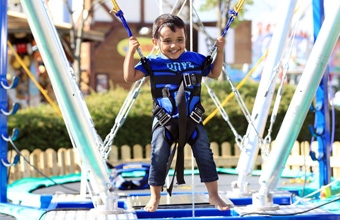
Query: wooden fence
{"x":66,"y":161}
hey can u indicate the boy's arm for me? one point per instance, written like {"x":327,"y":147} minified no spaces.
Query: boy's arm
{"x":218,"y":61}
{"x":130,"y":73}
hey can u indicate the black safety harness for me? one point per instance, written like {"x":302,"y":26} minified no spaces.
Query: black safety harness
{"x":181,"y":128}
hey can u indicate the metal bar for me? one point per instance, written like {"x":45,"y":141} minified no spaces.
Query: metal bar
{"x":322,"y":117}
{"x":264,"y":95}
{"x":3,"y":100}
{"x":71,"y":102}
{"x":302,"y":98}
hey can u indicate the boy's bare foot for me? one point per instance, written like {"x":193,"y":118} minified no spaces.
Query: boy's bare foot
{"x":153,"y":203}
{"x":215,"y":199}
{"x":219,"y":203}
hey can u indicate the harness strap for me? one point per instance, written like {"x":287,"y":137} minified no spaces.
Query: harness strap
{"x":160,"y":92}
{"x":182,"y":124}
{"x":162,"y":116}
{"x":171,"y":157}
{"x":161,"y":79}
{"x":146,"y":65}
{"x":171,"y":124}
{"x":190,"y":79}
{"x":182,"y":130}
{"x":190,"y":123}
{"x":207,"y":62}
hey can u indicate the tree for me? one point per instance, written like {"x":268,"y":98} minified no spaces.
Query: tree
{"x":77,"y":31}
{"x":223,"y":15}
{"x":223,"y":8}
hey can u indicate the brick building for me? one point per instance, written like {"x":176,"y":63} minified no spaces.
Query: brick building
{"x":106,"y":60}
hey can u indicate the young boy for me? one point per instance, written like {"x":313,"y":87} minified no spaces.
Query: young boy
{"x":172,"y":69}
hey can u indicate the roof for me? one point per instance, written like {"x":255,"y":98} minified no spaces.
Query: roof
{"x":17,"y":23}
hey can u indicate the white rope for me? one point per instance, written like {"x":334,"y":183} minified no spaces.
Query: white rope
{"x":265,"y":145}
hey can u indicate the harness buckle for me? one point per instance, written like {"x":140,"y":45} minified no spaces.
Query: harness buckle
{"x":190,"y":79}
{"x":162,"y":116}
{"x":196,"y":115}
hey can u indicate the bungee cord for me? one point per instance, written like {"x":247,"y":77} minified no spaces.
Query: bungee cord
{"x":244,"y":109}
{"x":120,"y":119}
{"x":174,"y":6}
{"x":238,"y":138}
{"x":267,"y":140}
{"x":234,"y":14}
{"x":200,"y":28}
{"x":131,"y":97}
{"x":243,"y":81}
{"x":265,"y":145}
{"x":119,"y":13}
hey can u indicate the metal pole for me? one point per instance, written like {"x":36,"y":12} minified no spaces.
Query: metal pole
{"x":71,"y":102}
{"x":301,"y":101}
{"x":3,"y":100}
{"x":322,"y":118}
{"x":263,"y":98}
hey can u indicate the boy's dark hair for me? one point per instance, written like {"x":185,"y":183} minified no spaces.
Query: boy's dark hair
{"x":167,"y":20}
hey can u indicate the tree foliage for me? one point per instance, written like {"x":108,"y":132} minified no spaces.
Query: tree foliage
{"x":43,"y":128}
{"x":223,"y":8}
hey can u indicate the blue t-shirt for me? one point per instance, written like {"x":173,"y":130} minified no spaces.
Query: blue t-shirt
{"x":186,"y":63}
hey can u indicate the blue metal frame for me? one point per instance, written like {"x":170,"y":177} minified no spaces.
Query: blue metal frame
{"x":322,"y":117}
{"x":21,"y":212}
{"x":3,"y":100}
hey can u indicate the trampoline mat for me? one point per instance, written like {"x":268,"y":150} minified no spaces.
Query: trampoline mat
{"x":176,"y":201}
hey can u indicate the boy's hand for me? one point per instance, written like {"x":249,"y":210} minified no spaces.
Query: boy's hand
{"x":220,"y":43}
{"x":133,"y":44}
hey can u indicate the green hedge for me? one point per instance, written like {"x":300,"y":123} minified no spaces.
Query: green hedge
{"x":43,"y":128}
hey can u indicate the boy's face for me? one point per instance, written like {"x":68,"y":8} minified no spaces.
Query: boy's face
{"x":171,"y":44}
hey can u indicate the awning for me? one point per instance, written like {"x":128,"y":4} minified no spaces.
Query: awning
{"x":17,"y":23}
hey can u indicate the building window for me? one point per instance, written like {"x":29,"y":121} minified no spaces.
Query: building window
{"x":102,"y":84}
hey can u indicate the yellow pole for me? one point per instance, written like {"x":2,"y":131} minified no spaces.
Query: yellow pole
{"x":207,"y":119}
{"x":42,"y":90}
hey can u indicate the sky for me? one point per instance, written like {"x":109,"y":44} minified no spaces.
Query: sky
{"x":261,"y":7}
